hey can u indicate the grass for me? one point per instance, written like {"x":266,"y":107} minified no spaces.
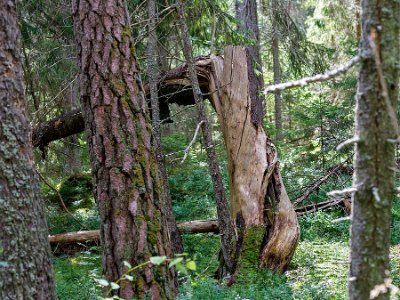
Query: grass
{"x":318,"y":271}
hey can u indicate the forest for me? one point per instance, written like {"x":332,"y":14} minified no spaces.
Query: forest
{"x":199,"y":149}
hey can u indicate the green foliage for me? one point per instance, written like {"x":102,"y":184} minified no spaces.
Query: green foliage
{"x":60,"y":222}
{"x":320,"y":227}
{"x":72,"y":275}
{"x":76,"y":191}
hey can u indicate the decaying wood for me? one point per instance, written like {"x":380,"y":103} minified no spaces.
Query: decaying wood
{"x":260,"y":206}
{"x":58,"y":128}
{"x":199,"y":226}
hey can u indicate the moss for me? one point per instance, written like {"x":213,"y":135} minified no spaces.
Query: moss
{"x":249,"y":258}
{"x":126,"y":31}
{"x":119,"y":87}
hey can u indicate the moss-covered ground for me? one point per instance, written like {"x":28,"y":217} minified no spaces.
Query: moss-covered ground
{"x":318,"y":271}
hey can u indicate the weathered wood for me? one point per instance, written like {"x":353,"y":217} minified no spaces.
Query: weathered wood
{"x":259,"y":203}
{"x":199,"y":226}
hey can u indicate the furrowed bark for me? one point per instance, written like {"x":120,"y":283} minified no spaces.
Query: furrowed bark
{"x":127,"y":184}
{"x":25,"y":257}
{"x":374,"y":163}
{"x":154,"y":74}
{"x":226,"y":227}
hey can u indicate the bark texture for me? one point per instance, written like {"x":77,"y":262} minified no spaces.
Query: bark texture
{"x":246,"y":13}
{"x":153,"y":73}
{"x":277,"y":69}
{"x":374,"y":154}
{"x":25,"y":257}
{"x":226,"y":227}
{"x":263,"y":214}
{"x":127,"y":184}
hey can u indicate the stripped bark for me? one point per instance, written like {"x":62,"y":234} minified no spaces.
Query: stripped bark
{"x":264,"y":216}
{"x":128,"y":190}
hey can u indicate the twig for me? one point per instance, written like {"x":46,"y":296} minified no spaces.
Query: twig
{"x":352,"y":140}
{"x":317,"y":78}
{"x":61,"y":200}
{"x":192,"y":141}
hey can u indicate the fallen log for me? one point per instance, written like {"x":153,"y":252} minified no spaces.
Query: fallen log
{"x":199,"y":226}
{"x":174,"y":87}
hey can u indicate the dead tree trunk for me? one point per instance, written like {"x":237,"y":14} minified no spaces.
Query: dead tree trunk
{"x":25,"y":268}
{"x":246,"y":13}
{"x":153,"y":73}
{"x":127,"y":184}
{"x":277,"y":69}
{"x":374,"y":163}
{"x":265,"y":219}
{"x":228,"y":235}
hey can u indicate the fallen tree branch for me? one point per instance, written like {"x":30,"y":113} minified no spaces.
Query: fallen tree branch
{"x":191,"y":227}
{"x":199,"y":226}
{"x":316,"y":184}
{"x":317,"y":78}
{"x":311,"y":208}
{"x":61,"y":199}
{"x":192,"y":141}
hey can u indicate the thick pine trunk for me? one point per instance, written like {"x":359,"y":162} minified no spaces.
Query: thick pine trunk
{"x":154,"y":74}
{"x":374,"y":155}
{"x":264,"y":216}
{"x":25,"y":257}
{"x":127,"y":184}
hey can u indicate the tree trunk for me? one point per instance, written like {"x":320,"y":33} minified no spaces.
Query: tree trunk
{"x":374,"y":155}
{"x":25,"y":257}
{"x":128,"y":189}
{"x":153,"y":73}
{"x":228,"y":235}
{"x":263,"y":214}
{"x":277,"y":69}
{"x":246,"y":13}
{"x":198,"y":226}
{"x":71,"y":143}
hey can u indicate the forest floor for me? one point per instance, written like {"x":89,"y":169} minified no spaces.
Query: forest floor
{"x":319,"y":269}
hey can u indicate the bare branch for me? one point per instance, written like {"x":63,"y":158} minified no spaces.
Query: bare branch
{"x":192,"y":141}
{"x":317,"y":78}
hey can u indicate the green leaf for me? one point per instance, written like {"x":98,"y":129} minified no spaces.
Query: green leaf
{"x":191,"y":265}
{"x":102,"y":282}
{"x":175,"y":261}
{"x":128,"y":277}
{"x":114,"y":286}
{"x":157,"y":260}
